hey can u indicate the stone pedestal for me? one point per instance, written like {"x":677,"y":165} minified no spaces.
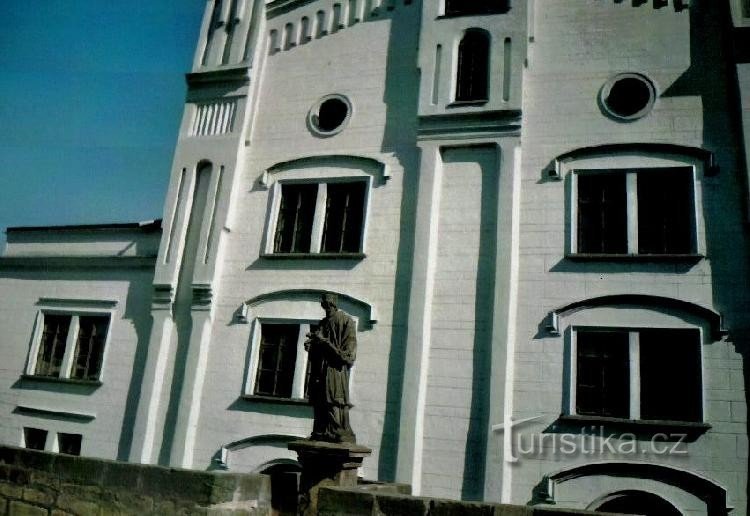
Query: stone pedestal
{"x":326,"y":464}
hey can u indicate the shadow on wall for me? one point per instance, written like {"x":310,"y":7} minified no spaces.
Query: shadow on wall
{"x":401,"y":100}
{"x":725,"y":198}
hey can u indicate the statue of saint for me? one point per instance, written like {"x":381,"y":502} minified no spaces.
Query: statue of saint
{"x":332,"y":348}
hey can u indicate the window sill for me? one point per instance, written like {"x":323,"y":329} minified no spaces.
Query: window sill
{"x":67,"y":381}
{"x":653,"y":426}
{"x":273,"y":399}
{"x":314,"y":256}
{"x":467,"y":103}
{"x":587,"y":257}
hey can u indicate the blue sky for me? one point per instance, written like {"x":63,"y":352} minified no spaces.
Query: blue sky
{"x":91,"y":95}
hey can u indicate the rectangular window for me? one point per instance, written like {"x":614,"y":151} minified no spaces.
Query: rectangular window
{"x":71,"y":346}
{"x":69,"y":444}
{"x":603,"y":374}
{"x":602,"y":214}
{"x":635,"y":212}
{"x":34,"y":438}
{"x":622,"y":374}
{"x":277,"y":360}
{"x":295,"y":221}
{"x":468,"y":7}
{"x":320,"y":218}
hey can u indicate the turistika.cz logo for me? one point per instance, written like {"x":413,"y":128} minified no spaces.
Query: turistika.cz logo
{"x":592,"y":440}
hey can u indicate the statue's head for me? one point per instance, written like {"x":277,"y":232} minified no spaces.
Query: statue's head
{"x":329,"y":302}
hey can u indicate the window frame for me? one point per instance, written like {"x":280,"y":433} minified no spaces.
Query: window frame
{"x":67,"y":366}
{"x":634,"y":376}
{"x":631,"y":168}
{"x":300,"y":368}
{"x":318,"y":223}
{"x":456,"y":86}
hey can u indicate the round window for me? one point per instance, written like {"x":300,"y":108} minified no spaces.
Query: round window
{"x":329,"y":115}
{"x":627,"y":96}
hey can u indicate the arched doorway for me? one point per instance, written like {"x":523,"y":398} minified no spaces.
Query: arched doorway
{"x":636,"y":502}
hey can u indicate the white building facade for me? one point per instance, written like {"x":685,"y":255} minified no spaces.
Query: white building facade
{"x":536,"y":211}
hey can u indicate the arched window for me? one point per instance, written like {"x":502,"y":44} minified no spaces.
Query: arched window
{"x":472,"y":75}
{"x":468,"y":7}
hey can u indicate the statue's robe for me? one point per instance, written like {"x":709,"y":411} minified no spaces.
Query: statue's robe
{"x":328,"y":389}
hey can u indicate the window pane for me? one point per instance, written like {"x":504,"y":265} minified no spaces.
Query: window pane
{"x":459,"y":7}
{"x":675,"y":395}
{"x":34,"y":438}
{"x":277,"y":360}
{"x":92,"y":334}
{"x":665,"y":220}
{"x":602,"y":213}
{"x":69,"y":444}
{"x":602,"y":378}
{"x":473,"y":64}
{"x":52,"y":345}
{"x":342,"y":231}
{"x":294,"y":223}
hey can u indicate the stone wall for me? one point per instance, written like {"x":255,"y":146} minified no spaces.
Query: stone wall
{"x":38,"y":483}
{"x":364,"y":502}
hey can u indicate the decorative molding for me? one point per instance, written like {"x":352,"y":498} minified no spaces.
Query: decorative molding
{"x":712,"y":493}
{"x":341,"y":161}
{"x":202,"y":295}
{"x":714,"y":318}
{"x":555,"y":169}
{"x":78,"y":302}
{"x":214,"y":118}
{"x":464,"y":126}
{"x":239,"y":74}
{"x":51,"y":413}
{"x":162,"y":296}
{"x":77,"y":262}
{"x":295,"y":294}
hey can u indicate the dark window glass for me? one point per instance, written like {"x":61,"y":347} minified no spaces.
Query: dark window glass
{"x":464,"y":7}
{"x":69,"y":444}
{"x":665,"y":221}
{"x":342,"y":231}
{"x":670,"y":374}
{"x":294,"y":224}
{"x":603,"y":374}
{"x":52,"y":345}
{"x":602,"y":213}
{"x":277,"y":360}
{"x":34,"y":438}
{"x":331,"y":114}
{"x":92,"y":333}
{"x":628,"y":97}
{"x":473,"y":66}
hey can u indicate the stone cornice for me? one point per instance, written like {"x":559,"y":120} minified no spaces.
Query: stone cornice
{"x":77,"y":262}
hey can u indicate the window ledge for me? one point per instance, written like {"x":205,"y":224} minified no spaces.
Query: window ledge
{"x":677,"y":257}
{"x":314,"y":256}
{"x":273,"y":399}
{"x":653,"y":426}
{"x":67,"y":381}
{"x":468,"y":103}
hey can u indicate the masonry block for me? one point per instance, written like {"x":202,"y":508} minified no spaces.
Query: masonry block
{"x":394,"y":504}
{"x":24,"y":509}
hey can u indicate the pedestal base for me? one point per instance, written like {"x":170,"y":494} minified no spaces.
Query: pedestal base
{"x":326,"y":464}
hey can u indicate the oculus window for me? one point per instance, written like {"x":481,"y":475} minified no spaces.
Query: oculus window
{"x":320,"y":218}
{"x":627,"y":96}
{"x":619,"y":373}
{"x":70,"y":346}
{"x":329,"y":115}
{"x":634,"y":212}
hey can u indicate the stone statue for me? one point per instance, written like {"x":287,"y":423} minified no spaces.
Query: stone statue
{"x":332,"y":348}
